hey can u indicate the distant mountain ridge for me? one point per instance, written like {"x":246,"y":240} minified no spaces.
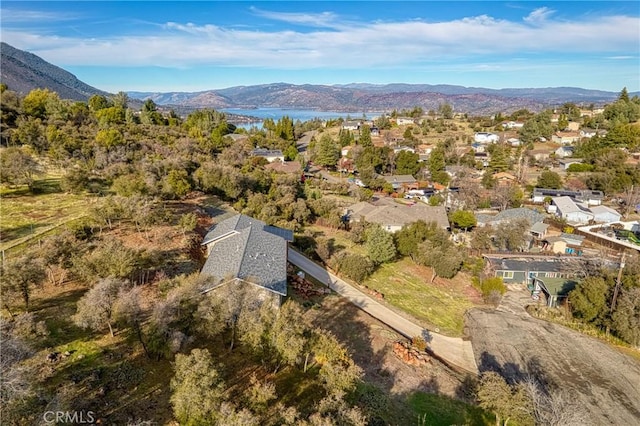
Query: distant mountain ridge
{"x":364,"y":97}
{"x":23,"y":71}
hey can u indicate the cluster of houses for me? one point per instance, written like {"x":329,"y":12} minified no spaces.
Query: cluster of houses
{"x":576,"y":207}
{"x":245,"y":251}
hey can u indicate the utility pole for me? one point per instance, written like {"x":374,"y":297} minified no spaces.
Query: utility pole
{"x":618,"y":282}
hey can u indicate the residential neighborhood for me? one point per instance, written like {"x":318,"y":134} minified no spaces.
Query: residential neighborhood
{"x":425,"y":250}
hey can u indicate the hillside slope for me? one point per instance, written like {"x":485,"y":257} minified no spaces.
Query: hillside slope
{"x":23,"y":71}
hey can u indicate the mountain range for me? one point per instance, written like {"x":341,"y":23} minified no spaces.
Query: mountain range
{"x":364,"y":97}
{"x":23,"y":71}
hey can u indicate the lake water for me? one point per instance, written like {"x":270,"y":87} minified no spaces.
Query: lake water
{"x":294,"y":114}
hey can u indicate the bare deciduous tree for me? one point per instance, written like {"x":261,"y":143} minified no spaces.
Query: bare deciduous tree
{"x":96,"y":308}
{"x":553,"y":408}
{"x":14,"y":385}
{"x":18,"y":278}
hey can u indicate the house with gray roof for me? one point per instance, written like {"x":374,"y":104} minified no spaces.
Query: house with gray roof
{"x":392,"y":216}
{"x":524,"y":270}
{"x":572,"y":212}
{"x":243,"y":250}
{"x":537,"y":228}
{"x":270,"y":155}
{"x":532,"y":216}
{"x":400,"y":181}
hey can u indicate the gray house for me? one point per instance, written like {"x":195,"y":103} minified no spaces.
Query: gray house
{"x":524,"y":270}
{"x":244,"y":250}
{"x":554,"y":290}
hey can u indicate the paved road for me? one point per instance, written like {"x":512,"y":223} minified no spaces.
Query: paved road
{"x":303,"y":142}
{"x":454,"y":351}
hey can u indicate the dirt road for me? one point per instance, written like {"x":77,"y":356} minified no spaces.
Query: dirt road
{"x":603,"y":381}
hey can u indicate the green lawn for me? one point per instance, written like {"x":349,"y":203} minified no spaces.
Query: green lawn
{"x":24,"y":215}
{"x":405,"y":286}
{"x":439,"y":410}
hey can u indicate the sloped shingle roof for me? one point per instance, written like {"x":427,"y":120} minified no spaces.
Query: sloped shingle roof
{"x":532,"y":216}
{"x":246,"y":248}
{"x":399,"y":214}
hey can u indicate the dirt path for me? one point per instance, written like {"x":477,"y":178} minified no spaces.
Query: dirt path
{"x":603,"y":381}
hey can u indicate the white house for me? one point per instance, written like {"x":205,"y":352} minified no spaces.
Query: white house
{"x":513,"y":125}
{"x":564,"y":152}
{"x":351,"y":125}
{"x":270,"y":154}
{"x":485,"y":137}
{"x":398,"y":149}
{"x":605,"y":214}
{"x":404,"y":120}
{"x":572,"y":212}
{"x":565,"y":138}
{"x":586,"y":132}
{"x":565,"y":163}
{"x":514,"y":141}
{"x":591,"y":197}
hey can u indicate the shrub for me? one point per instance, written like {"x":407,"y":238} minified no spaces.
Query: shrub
{"x":355,"y":266}
{"x":492,"y":288}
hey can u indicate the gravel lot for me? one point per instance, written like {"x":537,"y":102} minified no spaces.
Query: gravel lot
{"x":602,"y":381}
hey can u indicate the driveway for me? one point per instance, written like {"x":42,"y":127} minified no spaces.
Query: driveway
{"x":453,"y":351}
{"x":599,"y":380}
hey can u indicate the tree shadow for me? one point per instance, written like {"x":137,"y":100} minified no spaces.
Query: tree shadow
{"x":516,"y":373}
{"x":15,"y":232}
{"x":81,"y":371}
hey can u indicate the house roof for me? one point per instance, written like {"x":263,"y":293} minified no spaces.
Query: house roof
{"x":399,"y":179}
{"x":526,"y":264}
{"x":510,"y":214}
{"x":591,"y":194}
{"x":603,"y":210}
{"x":566,"y":204}
{"x":504,"y":175}
{"x":567,"y":149}
{"x":284,"y":166}
{"x":570,"y":134}
{"x":239,"y":222}
{"x":262,"y":152}
{"x":248,"y":249}
{"x":539,"y":228}
{"x":558,"y":286}
{"x":396,"y":214}
{"x":236,"y":136}
{"x":573,"y":239}
{"x":554,"y":192}
{"x":570,"y":160}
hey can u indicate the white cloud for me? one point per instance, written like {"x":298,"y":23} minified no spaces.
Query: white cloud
{"x":538,"y":16}
{"x":376,"y":44}
{"x":322,"y":19}
{"x":23,"y":15}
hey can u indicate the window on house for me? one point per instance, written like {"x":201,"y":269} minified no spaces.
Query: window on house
{"x":507,"y":274}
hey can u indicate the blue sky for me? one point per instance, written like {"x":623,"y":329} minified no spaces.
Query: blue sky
{"x":193,"y":46}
